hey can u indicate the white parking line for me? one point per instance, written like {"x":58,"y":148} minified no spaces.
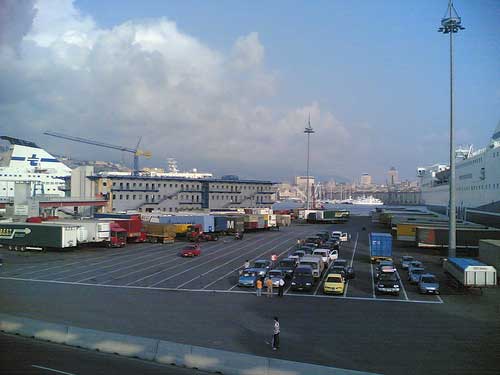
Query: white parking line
{"x":352,"y":260}
{"x":53,"y":370}
{"x":189,"y":269}
{"x":142,"y":269}
{"x":216,"y":291}
{"x":109,"y":257}
{"x":232,"y":271}
{"x":402,"y":286}
{"x":373,"y":281}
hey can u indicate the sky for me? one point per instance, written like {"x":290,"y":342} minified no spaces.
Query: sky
{"x":228,"y":86}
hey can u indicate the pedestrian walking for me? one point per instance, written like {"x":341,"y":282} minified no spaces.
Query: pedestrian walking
{"x":276,"y":334}
{"x":281,"y":286}
{"x":269,"y":285}
{"x":259,"y":287}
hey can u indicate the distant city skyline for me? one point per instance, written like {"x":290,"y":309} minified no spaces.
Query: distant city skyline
{"x":227,"y":87}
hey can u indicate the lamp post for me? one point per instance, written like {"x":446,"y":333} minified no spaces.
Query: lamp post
{"x":450,"y":24}
{"x":308,"y":130}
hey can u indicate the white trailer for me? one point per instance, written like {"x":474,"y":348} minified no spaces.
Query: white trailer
{"x":89,"y":231}
{"x":470,"y":272}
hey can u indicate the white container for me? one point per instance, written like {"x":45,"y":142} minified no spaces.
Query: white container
{"x":470,"y":272}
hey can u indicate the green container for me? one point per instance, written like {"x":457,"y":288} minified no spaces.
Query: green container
{"x":22,"y":236}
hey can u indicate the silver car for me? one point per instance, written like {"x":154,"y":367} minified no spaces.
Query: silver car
{"x":428,"y":284}
{"x":414,"y":264}
{"x":414,"y":275}
{"x":405,"y":261}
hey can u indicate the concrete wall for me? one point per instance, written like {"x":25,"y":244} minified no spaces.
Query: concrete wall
{"x":161,"y":351}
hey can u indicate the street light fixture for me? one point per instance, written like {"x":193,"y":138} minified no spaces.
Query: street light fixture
{"x":308,"y":130}
{"x":450,"y":24}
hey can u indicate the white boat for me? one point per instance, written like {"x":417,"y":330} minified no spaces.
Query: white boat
{"x":370,"y":201}
{"x":25,"y":162}
{"x":477,"y":182}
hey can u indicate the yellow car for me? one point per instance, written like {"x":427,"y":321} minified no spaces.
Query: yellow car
{"x":334,"y":283}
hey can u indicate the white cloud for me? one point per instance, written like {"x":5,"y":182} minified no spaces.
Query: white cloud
{"x":149,"y":78}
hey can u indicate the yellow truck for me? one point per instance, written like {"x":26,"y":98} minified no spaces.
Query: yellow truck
{"x":160,"y":233}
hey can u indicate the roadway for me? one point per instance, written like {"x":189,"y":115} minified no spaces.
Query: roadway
{"x":146,"y":290}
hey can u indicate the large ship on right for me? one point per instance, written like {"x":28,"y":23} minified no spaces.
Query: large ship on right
{"x":477,"y":183}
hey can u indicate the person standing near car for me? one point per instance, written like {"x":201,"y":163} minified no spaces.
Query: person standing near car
{"x":276,"y":334}
{"x":269,"y":285}
{"x":258,"y":285}
{"x":281,"y":286}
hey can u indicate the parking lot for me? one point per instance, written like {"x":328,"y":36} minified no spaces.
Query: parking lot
{"x":158,"y":266}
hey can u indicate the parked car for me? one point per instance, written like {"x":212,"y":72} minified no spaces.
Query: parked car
{"x":312,"y":245}
{"x":314,"y":239}
{"x":297,"y":255}
{"x":349,"y":272}
{"x":340,"y":262}
{"x":263,"y":265}
{"x":405,"y":261}
{"x":324,"y":254}
{"x":249,"y":277}
{"x":336,"y":234}
{"x":287,"y":266}
{"x":190,"y":251}
{"x":428,"y":284}
{"x":275,"y":276}
{"x":334,"y":254}
{"x":324,"y":235}
{"x":340,"y":270}
{"x":334,"y":283}
{"x":302,"y":278}
{"x":344,"y":237}
{"x":315,"y":263}
{"x":388,"y":283}
{"x":308,"y":249}
{"x":384,"y":270}
{"x":415,"y":264}
{"x":332,"y":244}
{"x":414,"y":275}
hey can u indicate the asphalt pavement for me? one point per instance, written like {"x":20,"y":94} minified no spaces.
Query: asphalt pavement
{"x":20,"y":355}
{"x":147,"y":290}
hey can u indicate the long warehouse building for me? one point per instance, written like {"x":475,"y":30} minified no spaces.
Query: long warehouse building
{"x":172,"y":194}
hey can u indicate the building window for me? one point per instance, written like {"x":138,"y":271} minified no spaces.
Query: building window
{"x":140,"y":184}
{"x":114,"y":195}
{"x":121,"y":196}
{"x":103,"y":184}
{"x":127,"y":196}
{"x":133,"y":197}
{"x":170,"y":185}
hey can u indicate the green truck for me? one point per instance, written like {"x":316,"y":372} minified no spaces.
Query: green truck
{"x":31,"y":236}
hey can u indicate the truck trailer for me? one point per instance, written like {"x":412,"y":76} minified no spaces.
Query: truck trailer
{"x":34,"y":236}
{"x":470,"y":272}
{"x":380,"y":246}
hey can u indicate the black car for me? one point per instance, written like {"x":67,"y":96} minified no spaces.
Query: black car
{"x":307,"y":249}
{"x":388,"y":283}
{"x":302,"y":278}
{"x":324,"y":235}
{"x":287,"y":266}
{"x":349,"y":272}
{"x":332,"y":244}
{"x":340,"y":263}
{"x":341,"y":270}
{"x":315,"y":239}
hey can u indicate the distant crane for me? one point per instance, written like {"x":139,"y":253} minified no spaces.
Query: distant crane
{"x":135,"y":151}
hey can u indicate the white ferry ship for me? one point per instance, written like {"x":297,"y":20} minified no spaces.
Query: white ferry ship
{"x":477,"y":183}
{"x":28,"y":163}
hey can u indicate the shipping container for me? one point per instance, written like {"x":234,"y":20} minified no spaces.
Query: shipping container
{"x":466,"y":238}
{"x":33,"y":236}
{"x":470,"y":272}
{"x":407,"y":232}
{"x":158,"y":232}
{"x":133,"y":226}
{"x":89,"y":231}
{"x":489,"y":253}
{"x":206,"y":221}
{"x":380,"y":246}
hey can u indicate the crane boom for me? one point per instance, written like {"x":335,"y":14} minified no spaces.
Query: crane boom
{"x":90,"y":141}
{"x":135,"y":151}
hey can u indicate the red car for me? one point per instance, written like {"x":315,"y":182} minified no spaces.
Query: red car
{"x":191,"y":251}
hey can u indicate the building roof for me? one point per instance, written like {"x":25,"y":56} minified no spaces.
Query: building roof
{"x":172,"y":178}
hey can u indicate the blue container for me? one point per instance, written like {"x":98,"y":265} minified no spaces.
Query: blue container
{"x":380,"y":245}
{"x":220,"y":223}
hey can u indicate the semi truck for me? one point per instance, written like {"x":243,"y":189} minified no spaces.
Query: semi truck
{"x":470,"y":273}
{"x":158,"y":232}
{"x":34,"y":236}
{"x":380,"y":246}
